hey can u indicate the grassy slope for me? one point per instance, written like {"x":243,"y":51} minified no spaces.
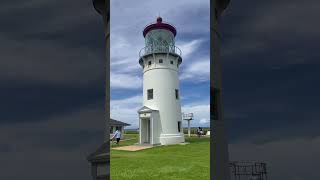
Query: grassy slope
{"x":189,"y":161}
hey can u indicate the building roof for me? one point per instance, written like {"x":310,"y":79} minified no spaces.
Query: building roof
{"x":101,"y":155}
{"x":145,"y":109}
{"x":114,"y":122}
{"x":159,"y":25}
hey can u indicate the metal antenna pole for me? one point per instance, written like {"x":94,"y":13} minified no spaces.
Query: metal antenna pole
{"x":189,"y":128}
{"x":188,"y":117}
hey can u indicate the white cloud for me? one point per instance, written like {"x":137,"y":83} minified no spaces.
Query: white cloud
{"x":204,"y":121}
{"x":126,"y":109}
{"x":125,"y":66}
{"x":201,"y":113}
{"x":124,"y":51}
{"x":125,"y":81}
{"x":197,"y":71}
{"x":188,"y":48}
{"x":118,"y":45}
{"x":127,"y":102}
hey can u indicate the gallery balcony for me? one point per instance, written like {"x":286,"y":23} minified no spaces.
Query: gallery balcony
{"x":150,"y":50}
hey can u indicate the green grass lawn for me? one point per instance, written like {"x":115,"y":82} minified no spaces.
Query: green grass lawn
{"x":190,"y":161}
{"x":132,"y":139}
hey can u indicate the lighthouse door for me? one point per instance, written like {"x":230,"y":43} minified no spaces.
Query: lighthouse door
{"x":149,"y":133}
{"x":145,"y":131}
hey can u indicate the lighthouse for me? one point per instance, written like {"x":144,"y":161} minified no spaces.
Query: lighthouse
{"x":160,"y":118}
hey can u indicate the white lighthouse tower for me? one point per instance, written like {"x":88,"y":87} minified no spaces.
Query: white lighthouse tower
{"x":160,"y":120}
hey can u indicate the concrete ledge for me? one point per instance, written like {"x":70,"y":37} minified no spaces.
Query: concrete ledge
{"x":133,"y":147}
{"x":166,"y":139}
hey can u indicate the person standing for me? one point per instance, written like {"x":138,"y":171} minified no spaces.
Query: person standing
{"x":201,"y":131}
{"x":198,"y":131}
{"x":117,"y":136}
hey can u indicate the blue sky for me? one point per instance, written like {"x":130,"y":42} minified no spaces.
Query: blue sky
{"x":127,"y":23}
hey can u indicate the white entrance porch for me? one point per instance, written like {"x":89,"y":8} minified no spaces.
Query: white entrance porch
{"x":148,"y":126}
{"x":145,"y":132}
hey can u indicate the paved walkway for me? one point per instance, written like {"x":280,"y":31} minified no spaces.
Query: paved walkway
{"x":133,"y":147}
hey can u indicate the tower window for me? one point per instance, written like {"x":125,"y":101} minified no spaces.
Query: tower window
{"x":160,"y":61}
{"x":149,"y":63}
{"x":177,"y":94}
{"x":171,"y":62}
{"x":179,"y":126}
{"x":150,"y":94}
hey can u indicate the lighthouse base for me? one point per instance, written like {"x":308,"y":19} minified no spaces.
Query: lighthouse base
{"x":166,"y":139}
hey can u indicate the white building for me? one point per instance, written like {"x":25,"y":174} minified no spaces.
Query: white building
{"x":116,"y":125}
{"x":160,"y":120}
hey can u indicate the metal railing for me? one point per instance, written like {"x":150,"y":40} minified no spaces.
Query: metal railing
{"x":160,"y":49}
{"x":248,"y":169}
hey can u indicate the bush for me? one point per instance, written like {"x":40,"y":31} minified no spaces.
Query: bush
{"x":193,"y":130}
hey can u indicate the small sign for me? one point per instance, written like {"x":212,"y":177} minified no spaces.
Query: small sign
{"x":188,"y":116}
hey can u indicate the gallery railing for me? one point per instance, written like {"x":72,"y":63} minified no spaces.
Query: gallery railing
{"x":160,"y":49}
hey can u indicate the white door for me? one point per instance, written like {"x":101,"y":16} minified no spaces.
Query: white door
{"x":145,"y":130}
{"x":149,"y":132}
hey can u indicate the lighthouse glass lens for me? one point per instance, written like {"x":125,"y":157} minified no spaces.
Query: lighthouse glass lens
{"x":159,"y":40}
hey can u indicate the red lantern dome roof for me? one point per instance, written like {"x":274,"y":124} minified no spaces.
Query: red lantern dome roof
{"x":159,"y":25}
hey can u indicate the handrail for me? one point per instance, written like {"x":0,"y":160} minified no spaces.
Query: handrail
{"x":159,"y":49}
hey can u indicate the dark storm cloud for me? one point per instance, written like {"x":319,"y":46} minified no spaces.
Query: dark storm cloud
{"x":57,"y":146}
{"x":270,"y":65}
{"x":286,"y":159}
{"x":34,"y":17}
{"x":285,"y":30}
{"x":52,"y":88}
{"x":51,"y":58}
{"x":42,"y":38}
{"x":270,"y":73}
{"x":27,"y":102}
